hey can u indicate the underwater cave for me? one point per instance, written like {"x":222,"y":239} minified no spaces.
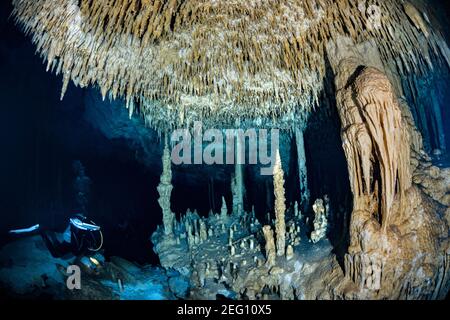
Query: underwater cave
{"x":296,"y":150}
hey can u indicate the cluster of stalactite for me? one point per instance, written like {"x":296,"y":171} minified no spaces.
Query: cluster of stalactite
{"x":184,"y":60}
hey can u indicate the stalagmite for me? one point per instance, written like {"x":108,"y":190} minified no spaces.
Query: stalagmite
{"x":302,"y":173}
{"x":289,"y":252}
{"x":197,"y":239}
{"x":296,"y":212}
{"x":190,"y":237}
{"x":165,"y":189}
{"x":270,"y":246}
{"x":320,"y":221}
{"x":252,"y":244}
{"x":224,"y":209}
{"x":280,"y":206}
{"x":203,"y":231}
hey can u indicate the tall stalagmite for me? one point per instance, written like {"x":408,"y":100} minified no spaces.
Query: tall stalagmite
{"x":165,"y":189}
{"x":280,"y":206}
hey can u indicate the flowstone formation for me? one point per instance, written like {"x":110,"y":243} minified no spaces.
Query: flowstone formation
{"x":395,"y":249}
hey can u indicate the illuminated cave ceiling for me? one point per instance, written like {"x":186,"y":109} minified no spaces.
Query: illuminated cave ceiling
{"x":223,"y":62}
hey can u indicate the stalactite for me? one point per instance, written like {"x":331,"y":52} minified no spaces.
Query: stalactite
{"x":157,"y":54}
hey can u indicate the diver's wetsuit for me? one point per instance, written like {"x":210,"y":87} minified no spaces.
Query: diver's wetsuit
{"x":57,"y":247}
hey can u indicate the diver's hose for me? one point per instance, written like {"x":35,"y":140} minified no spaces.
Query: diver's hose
{"x":101,"y":242}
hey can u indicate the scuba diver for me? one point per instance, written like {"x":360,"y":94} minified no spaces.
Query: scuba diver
{"x":82,"y":237}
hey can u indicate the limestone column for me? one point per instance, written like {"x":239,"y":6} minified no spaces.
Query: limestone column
{"x":302,"y":173}
{"x":237,"y":183}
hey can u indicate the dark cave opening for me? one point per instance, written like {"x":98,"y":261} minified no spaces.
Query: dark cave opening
{"x":327,"y":168}
{"x":426,"y":94}
{"x":195,"y":187}
{"x":122,"y":202}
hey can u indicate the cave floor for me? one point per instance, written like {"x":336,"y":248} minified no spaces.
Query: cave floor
{"x":28,"y":271}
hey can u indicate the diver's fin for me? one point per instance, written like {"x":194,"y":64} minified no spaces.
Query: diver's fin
{"x":25,"y":230}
